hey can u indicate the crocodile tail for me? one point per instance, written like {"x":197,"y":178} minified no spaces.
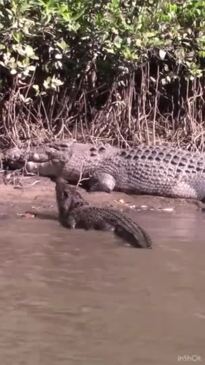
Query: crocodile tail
{"x":136,"y":236}
{"x":127,"y":229}
{"x":144,"y":238}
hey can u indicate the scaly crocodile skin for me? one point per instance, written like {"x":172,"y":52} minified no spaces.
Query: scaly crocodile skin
{"x":158,"y":170}
{"x":75,"y":212}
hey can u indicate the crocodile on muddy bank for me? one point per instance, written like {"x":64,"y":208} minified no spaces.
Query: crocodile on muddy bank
{"x":156,"y":170}
{"x":75,"y":212}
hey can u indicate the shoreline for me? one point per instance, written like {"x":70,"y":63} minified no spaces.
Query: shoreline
{"x":36,"y":197}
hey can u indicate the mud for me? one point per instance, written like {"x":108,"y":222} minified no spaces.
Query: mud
{"x":37,"y":195}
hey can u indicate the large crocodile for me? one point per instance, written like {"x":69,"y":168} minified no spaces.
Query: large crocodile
{"x":157,"y":170}
{"x":75,"y":212}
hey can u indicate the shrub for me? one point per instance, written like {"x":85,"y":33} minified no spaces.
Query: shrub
{"x":125,"y":71}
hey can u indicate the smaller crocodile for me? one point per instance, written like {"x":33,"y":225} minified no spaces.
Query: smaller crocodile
{"x":75,"y":212}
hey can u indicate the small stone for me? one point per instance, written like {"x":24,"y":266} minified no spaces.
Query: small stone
{"x":26,"y":215}
{"x":168,"y":209}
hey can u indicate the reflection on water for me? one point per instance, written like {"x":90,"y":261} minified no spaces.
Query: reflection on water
{"x":79,"y":298}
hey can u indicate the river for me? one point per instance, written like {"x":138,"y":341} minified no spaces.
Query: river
{"x":82,"y":298}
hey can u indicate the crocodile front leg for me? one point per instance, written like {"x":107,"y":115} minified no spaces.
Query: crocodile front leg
{"x":68,"y":222}
{"x":102,"y":181}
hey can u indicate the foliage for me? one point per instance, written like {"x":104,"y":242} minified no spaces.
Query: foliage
{"x":74,"y":62}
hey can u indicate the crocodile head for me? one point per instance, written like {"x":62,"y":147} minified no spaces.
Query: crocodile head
{"x":63,"y":197}
{"x":67,"y":197}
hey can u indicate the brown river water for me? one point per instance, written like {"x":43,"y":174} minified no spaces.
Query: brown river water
{"x":82,"y":298}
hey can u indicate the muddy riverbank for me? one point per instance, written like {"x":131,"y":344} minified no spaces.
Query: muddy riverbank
{"x":37,"y":195}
